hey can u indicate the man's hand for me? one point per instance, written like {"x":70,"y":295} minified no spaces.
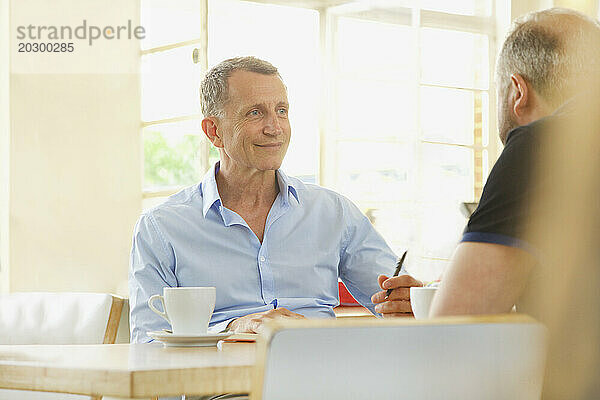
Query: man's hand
{"x":251,"y":323}
{"x":398,"y":304}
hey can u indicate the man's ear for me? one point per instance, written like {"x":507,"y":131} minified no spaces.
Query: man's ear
{"x":520,"y":97}
{"x":210,"y":128}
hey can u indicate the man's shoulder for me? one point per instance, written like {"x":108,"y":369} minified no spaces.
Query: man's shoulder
{"x":330,"y":203}
{"x":186,"y":200}
{"x":502,"y":209}
{"x":312,"y":192}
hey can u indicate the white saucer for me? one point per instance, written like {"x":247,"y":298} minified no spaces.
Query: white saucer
{"x":171,"y":340}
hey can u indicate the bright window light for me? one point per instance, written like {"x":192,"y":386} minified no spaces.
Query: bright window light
{"x":390,"y":107}
{"x":454,"y":58}
{"x":464,"y":7}
{"x":168,"y":22}
{"x":170,"y":84}
{"x":287,"y":37}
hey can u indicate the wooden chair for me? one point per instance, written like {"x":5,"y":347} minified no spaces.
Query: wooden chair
{"x":57,"y":318}
{"x":497,"y":357}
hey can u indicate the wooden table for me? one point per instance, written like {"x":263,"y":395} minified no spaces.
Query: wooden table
{"x":128,"y":370}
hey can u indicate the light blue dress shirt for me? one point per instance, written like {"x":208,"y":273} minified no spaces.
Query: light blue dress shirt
{"x":313,"y":236}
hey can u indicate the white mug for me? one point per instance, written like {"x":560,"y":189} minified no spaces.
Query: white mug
{"x":420,"y":300}
{"x":187,"y":309}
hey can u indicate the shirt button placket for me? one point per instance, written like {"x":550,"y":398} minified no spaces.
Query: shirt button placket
{"x":267,"y":279}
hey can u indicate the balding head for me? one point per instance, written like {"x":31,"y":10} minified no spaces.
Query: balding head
{"x":554,"y":50}
{"x":547,"y":58}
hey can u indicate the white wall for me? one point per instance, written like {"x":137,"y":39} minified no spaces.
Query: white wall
{"x":589,"y":7}
{"x":520,"y":7}
{"x":75,"y":165}
{"x":4,"y":142}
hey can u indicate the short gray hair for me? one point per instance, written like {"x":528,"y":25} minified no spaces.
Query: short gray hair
{"x":214,"y":89}
{"x":554,"y":50}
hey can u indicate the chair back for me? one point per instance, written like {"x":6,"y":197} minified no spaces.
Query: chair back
{"x":498,"y":357}
{"x":59,"y":318}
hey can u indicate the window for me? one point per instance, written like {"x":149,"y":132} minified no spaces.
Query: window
{"x":390,"y":103}
{"x":175,"y":152}
{"x":288,"y":37}
{"x":409,"y":139}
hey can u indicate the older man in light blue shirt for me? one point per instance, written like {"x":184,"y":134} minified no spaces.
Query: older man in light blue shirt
{"x":272,"y":245}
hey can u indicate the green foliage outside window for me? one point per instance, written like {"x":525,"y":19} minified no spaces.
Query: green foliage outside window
{"x":171,"y":162}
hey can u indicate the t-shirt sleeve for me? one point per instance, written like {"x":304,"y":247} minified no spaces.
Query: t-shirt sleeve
{"x":501,"y":215}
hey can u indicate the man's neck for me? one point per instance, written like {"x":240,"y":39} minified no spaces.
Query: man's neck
{"x":246,"y":188}
{"x":538,"y":109}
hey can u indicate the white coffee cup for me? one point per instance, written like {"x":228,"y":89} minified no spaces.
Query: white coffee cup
{"x":420,"y":300}
{"x":187,"y":309}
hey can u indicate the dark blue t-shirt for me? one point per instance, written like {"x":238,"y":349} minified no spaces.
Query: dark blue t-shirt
{"x":501,"y":216}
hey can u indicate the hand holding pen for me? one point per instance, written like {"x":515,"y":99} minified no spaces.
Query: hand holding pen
{"x":396,"y":272}
{"x":394,"y":299}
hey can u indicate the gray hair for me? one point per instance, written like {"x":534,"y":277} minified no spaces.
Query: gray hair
{"x":554,"y":50}
{"x":214,"y":89}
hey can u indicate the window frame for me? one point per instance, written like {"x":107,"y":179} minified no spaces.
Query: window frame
{"x":202,"y":60}
{"x":329,"y":11}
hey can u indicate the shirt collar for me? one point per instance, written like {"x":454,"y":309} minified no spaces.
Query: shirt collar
{"x":286,"y":186}
{"x":210,"y":193}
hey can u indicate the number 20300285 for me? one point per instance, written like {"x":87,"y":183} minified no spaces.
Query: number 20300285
{"x":46,"y":47}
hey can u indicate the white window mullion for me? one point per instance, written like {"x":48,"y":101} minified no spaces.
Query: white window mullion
{"x":203,"y":63}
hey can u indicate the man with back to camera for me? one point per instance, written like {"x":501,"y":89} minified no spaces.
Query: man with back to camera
{"x":271,"y":245}
{"x":544,"y":63}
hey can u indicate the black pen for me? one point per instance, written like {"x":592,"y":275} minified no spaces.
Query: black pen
{"x":396,"y":272}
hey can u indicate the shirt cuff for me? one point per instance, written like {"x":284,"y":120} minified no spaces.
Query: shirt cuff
{"x":220,"y":326}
